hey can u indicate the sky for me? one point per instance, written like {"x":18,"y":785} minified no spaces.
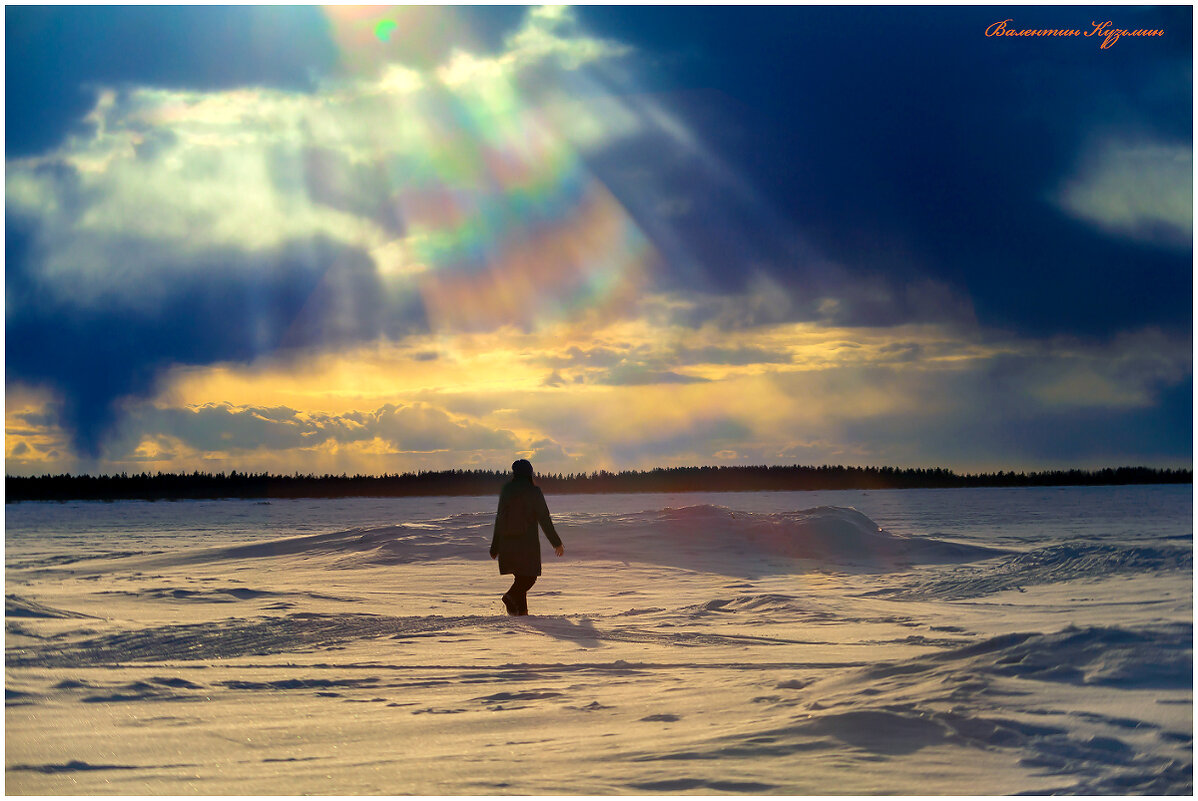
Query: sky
{"x":389,"y":239}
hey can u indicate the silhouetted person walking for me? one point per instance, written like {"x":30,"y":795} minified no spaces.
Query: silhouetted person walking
{"x":515,"y":542}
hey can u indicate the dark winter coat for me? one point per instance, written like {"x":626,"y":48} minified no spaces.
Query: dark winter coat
{"x":521,"y":508}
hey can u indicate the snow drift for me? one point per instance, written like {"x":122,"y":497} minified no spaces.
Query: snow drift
{"x":703,"y":537}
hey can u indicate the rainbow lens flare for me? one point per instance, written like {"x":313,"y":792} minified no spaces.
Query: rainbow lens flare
{"x":498,"y":221}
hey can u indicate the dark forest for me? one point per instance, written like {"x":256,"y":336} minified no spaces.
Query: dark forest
{"x":181,"y":486}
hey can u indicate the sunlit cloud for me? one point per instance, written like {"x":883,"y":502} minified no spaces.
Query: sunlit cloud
{"x":224,"y":430}
{"x":549,"y":33}
{"x":33,"y":439}
{"x":166,"y":182}
{"x":631,"y":393}
{"x":1140,"y":189}
{"x":462,"y":186}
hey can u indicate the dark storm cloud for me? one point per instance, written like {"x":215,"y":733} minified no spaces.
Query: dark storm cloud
{"x":727,"y":238}
{"x":56,"y":57}
{"x":1079,"y":406}
{"x":903,"y":141}
{"x":832,"y":297}
{"x":233,"y":307}
{"x":991,"y":436}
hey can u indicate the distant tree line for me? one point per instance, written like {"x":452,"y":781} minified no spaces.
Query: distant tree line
{"x":172,"y":486}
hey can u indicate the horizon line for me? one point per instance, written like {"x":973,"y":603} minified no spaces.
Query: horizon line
{"x":582,"y":474}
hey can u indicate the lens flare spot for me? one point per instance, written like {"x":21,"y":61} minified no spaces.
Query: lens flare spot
{"x":384,"y":29}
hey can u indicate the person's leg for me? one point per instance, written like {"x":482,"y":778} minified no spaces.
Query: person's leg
{"x":519,"y":592}
{"x":520,"y":585}
{"x":509,"y":600}
{"x":516,"y":598}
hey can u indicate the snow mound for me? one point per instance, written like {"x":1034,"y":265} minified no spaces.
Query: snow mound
{"x":709,"y":536}
{"x":703,"y":537}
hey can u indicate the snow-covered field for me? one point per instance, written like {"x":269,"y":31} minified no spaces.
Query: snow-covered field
{"x":931,"y":641}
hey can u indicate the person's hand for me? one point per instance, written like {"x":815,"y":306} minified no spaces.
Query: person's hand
{"x":494,"y":556}
{"x":559,"y":550}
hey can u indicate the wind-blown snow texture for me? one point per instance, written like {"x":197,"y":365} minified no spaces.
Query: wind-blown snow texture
{"x":989,"y":641}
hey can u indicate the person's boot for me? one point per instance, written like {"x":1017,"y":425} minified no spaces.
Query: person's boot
{"x":512,"y":609}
